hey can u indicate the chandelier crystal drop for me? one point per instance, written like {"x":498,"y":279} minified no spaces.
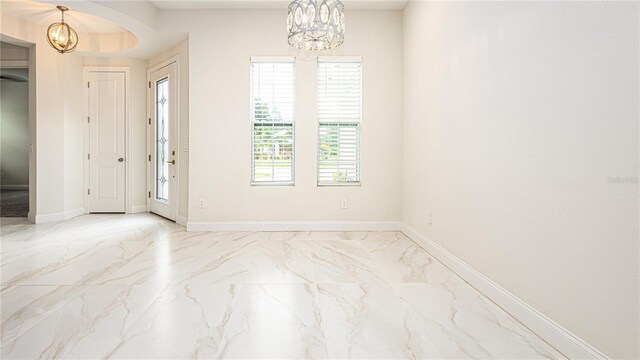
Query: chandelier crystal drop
{"x":61,"y":36}
{"x":315,"y":24}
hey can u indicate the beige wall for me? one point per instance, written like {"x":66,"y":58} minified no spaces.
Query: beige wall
{"x":14,"y":130}
{"x":182,"y":51}
{"x":521,"y":138}
{"x":220,"y":45}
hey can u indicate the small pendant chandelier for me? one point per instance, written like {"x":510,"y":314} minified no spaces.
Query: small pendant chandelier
{"x":316,"y":24}
{"x":61,"y":36}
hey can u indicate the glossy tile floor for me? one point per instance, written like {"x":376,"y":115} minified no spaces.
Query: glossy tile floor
{"x":138,"y":286}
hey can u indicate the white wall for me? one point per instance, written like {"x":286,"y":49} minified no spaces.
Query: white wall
{"x":182,"y":51}
{"x":58,"y":126}
{"x":518,"y":131}
{"x":10,"y":53}
{"x":55,"y":117}
{"x":14,"y":130}
{"x":73,"y":134}
{"x":57,"y":122}
{"x":220,"y":45}
{"x":521,"y":137}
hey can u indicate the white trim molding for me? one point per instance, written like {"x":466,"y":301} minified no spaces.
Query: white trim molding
{"x":14,"y":64}
{"x":173,"y":60}
{"x":294,"y":226}
{"x":136,"y":209}
{"x":182,"y":220}
{"x":59,"y":216}
{"x":557,"y":336}
{"x":86,"y":71}
{"x":14,"y":187}
{"x":353,"y":58}
{"x":272,"y":59}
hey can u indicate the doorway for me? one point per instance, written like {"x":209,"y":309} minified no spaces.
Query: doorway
{"x":163,"y":140}
{"x":14,"y":142}
{"x":107,"y":155}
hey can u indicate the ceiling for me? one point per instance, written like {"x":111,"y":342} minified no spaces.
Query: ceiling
{"x":38,"y":12}
{"x":111,"y":19}
{"x":268,"y":4}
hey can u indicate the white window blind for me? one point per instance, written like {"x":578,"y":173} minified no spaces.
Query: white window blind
{"x":272,"y":120}
{"x":339,"y":117}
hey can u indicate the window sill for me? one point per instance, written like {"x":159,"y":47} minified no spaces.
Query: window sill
{"x":268,"y":184}
{"x":339,"y":184}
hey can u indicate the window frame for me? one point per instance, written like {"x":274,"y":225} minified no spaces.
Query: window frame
{"x":339,"y":59}
{"x":268,"y":60}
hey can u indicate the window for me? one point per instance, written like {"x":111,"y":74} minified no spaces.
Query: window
{"x":339,"y":116}
{"x":162,"y":139}
{"x":272,"y":107}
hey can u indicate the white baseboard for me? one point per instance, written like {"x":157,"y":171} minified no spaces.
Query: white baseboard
{"x":136,"y":209}
{"x":560,"y":338}
{"x":294,"y":226}
{"x":14,"y":187}
{"x":66,"y":215}
{"x":182,"y":220}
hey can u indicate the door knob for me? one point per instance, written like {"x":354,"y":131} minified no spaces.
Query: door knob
{"x":172,"y":162}
{"x":120,"y":160}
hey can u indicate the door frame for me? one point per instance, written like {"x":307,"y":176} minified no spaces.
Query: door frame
{"x":150,"y":143}
{"x":127,"y":131}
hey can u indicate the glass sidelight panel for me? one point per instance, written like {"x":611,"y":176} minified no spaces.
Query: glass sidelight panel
{"x":162,"y":139}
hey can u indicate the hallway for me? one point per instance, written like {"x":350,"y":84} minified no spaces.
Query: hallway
{"x":14,"y":203}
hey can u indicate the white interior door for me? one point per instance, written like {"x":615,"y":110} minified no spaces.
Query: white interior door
{"x":163,"y":110}
{"x":107,"y":113}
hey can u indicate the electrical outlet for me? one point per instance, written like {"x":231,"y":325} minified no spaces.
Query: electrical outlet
{"x":344,"y":204}
{"x":201,"y":204}
{"x":430,"y":218}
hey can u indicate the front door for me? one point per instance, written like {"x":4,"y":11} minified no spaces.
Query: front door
{"x":163,"y":111}
{"x":107,"y":113}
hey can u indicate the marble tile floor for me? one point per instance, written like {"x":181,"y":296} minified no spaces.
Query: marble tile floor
{"x":139,"y":286}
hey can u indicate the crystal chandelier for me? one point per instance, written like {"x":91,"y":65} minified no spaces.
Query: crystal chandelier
{"x":315,"y":24}
{"x":61,"y":36}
